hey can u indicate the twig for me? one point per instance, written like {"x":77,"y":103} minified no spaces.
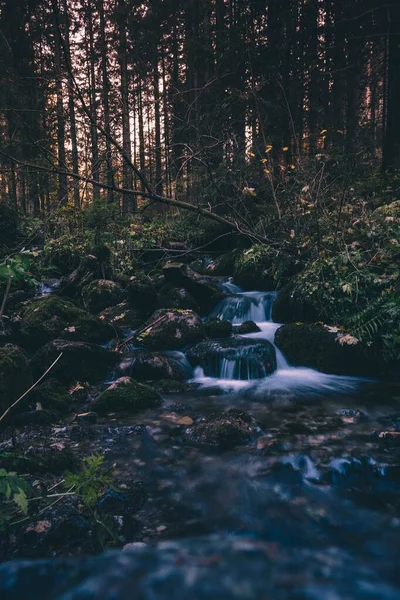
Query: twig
{"x":31,"y":388}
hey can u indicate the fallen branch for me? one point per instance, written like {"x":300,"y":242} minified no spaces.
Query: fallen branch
{"x":31,"y":388}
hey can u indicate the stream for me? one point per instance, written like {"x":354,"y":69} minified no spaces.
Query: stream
{"x":317,"y":482}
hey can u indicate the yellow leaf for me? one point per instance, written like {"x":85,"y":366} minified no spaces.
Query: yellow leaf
{"x":267,"y":172}
{"x":292,"y":166}
{"x":285,"y":148}
{"x":264,"y":160}
{"x":252,"y":154}
{"x":324,"y":131}
{"x":268,"y":149}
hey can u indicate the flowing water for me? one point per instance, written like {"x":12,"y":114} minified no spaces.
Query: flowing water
{"x":317,"y":482}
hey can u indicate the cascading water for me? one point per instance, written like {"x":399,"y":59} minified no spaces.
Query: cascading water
{"x":238,"y":371}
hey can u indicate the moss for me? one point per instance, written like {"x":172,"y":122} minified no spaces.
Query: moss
{"x":171,"y":329}
{"x":101,"y":294}
{"x":120,"y":316}
{"x":168,"y":386}
{"x":126,"y":395}
{"x":49,"y":318}
{"x":254,"y":268}
{"x":222,"y":430}
{"x":52,"y":396}
{"x":80,"y":361}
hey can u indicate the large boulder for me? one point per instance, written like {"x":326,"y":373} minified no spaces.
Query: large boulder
{"x":52,"y":317}
{"x":234,"y":358}
{"x":101,"y":294}
{"x":89,"y":269}
{"x":215,"y":328}
{"x":126,"y":395}
{"x":325,"y":348}
{"x":79,"y":362}
{"x":290,"y":307}
{"x":171,"y":330}
{"x":205,"y":290}
{"x":154,"y":366}
{"x":15,"y":374}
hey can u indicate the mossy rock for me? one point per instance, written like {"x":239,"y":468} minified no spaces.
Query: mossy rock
{"x":222,"y":430}
{"x":45,"y":319}
{"x":205,"y":290}
{"x":121,"y":316}
{"x":80,"y":361}
{"x":126,"y":395}
{"x":171,"y":296}
{"x":154,"y":366}
{"x":215,"y":328}
{"x":254,"y":269}
{"x":171,"y":330}
{"x":101,"y":294}
{"x":142,"y":294}
{"x":325,"y":348}
{"x":15,"y":374}
{"x":51,"y":395}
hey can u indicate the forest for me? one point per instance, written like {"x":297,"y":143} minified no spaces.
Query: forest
{"x":199,"y":298}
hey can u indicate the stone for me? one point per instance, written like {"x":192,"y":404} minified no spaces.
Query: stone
{"x":171,"y":330}
{"x":126,"y":395}
{"x":15,"y":374}
{"x":79,"y":362}
{"x":205,"y":290}
{"x":222,"y":430}
{"x":142,"y":294}
{"x":154,"y":366}
{"x":101,"y":294}
{"x":324,"y":348}
{"x":49,"y":318}
{"x":247,"y":327}
{"x":51,"y":395}
{"x":121,"y":316}
{"x":215,"y":328}
{"x":171,"y":296}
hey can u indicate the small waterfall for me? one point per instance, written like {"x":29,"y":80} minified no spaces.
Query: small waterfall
{"x":229,"y":287}
{"x":245,"y":306}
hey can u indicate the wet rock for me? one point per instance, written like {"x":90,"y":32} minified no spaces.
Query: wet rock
{"x":323,"y":348}
{"x":89,"y":269}
{"x":126,"y":395}
{"x":121,"y":316}
{"x":215,"y":328}
{"x":170,"y":296}
{"x":234,"y":358}
{"x":204,"y":290}
{"x":79,"y":361}
{"x":134,"y":546}
{"x":101,"y":294}
{"x":247,"y":327}
{"x":15,"y":374}
{"x":154,"y":366}
{"x":171,"y":330}
{"x":222,"y":430}
{"x":52,"y":317}
{"x":291,"y":307}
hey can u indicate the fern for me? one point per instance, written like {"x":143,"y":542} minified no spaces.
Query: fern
{"x":13,"y":489}
{"x":90,"y":482}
